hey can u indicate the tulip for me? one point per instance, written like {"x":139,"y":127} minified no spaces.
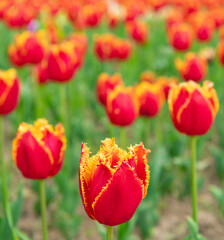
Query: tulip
{"x":204,"y":30}
{"x":193,"y":68}
{"x":122,"y":106}
{"x":105,"y":84}
{"x":220,"y":52}
{"x":193,"y":108}
{"x":148,"y":76}
{"x":38,"y":152}
{"x":150,"y":97}
{"x":167,"y":84}
{"x":61,"y":62}
{"x":42,"y":72}
{"x":29,"y":48}
{"x":138,"y":31}
{"x":113,"y":182}
{"x":180,"y":37}
{"x":9,"y":91}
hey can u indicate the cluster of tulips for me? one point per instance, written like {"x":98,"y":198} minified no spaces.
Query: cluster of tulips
{"x":113,"y":181}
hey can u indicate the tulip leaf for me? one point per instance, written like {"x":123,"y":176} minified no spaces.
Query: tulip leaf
{"x":193,"y":231}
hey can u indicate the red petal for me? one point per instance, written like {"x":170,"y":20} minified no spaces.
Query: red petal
{"x":196,"y":118}
{"x":32,"y":159}
{"x":119,"y":200}
{"x":142,"y":167}
{"x":55,"y":145}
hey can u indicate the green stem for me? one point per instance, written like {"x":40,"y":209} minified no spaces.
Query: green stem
{"x":123,"y":137}
{"x":146,"y":130}
{"x":37,"y":93}
{"x":63,"y":99}
{"x":6,"y":204}
{"x":109,"y":232}
{"x":194,"y":178}
{"x":43,"y":209}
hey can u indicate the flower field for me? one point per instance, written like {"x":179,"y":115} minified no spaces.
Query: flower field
{"x":111,"y":120}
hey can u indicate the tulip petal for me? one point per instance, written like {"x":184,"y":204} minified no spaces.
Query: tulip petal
{"x":82,"y":182}
{"x":118,"y":201}
{"x":32,"y":158}
{"x":142,"y":167}
{"x":196,"y":116}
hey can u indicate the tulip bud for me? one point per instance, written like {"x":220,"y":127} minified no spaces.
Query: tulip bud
{"x":38,"y":150}
{"x":105,"y":84}
{"x":122,"y":106}
{"x":9,"y":91}
{"x":193,"y":108}
{"x":150,"y":97}
{"x":180,"y":37}
{"x":113,"y":182}
{"x":137,"y":30}
{"x":193,"y":68}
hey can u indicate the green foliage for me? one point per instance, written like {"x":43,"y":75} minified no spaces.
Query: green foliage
{"x":218,"y":194}
{"x":193,"y":231}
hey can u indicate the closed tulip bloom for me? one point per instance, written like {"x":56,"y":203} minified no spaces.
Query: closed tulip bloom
{"x":38,"y":150}
{"x":137,"y":30}
{"x":113,"y":182}
{"x":29,"y":48}
{"x":193,"y":108}
{"x":105,"y":84}
{"x":220,"y":52}
{"x":62,"y":62}
{"x":9,"y":91}
{"x":122,"y":49}
{"x":194,"y":67}
{"x":180,"y":37}
{"x":122,"y":106}
{"x":150,"y":97}
{"x":204,"y":30}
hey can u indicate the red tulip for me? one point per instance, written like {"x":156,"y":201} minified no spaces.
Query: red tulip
{"x":29,"y":48}
{"x":9,"y":91}
{"x":105,"y":84}
{"x":122,"y":106}
{"x":42,"y":72}
{"x":167,"y":84}
{"x":193,"y":108}
{"x":62,"y":62}
{"x":137,"y":30}
{"x":113,"y":182}
{"x":193,"y":68}
{"x":38,"y":150}
{"x":180,"y":37}
{"x":220,"y":51}
{"x":151,"y":98}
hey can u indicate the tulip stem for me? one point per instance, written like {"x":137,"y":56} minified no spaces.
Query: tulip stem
{"x":6,"y":204}
{"x":123,"y":137}
{"x":194,"y":178}
{"x":109,"y":232}
{"x":43,"y":209}
{"x":63,"y":105}
{"x":37,"y":94}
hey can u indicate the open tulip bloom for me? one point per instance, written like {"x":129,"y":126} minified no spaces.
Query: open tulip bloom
{"x":193,"y":110}
{"x":113,"y":182}
{"x":38,"y":152}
